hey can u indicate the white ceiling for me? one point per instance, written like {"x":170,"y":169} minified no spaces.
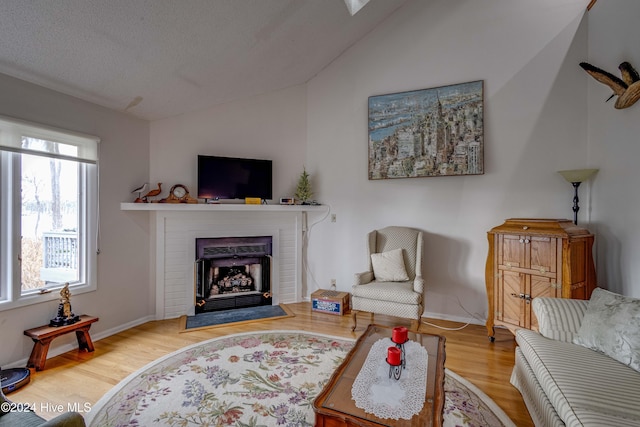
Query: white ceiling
{"x":177,"y":55}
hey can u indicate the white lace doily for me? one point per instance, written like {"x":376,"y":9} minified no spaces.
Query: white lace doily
{"x":377,"y":394}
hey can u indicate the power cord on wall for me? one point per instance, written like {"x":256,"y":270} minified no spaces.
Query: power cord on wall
{"x":475,"y":316}
{"x":424,"y":322}
{"x":305,"y":244}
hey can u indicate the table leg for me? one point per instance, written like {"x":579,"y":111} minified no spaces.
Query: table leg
{"x":39,"y":354}
{"x":84,"y":339}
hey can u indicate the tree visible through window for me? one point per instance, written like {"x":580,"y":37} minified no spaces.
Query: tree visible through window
{"x":49,"y":216}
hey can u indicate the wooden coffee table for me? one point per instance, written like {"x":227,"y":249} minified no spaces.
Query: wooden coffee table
{"x":334,"y":406}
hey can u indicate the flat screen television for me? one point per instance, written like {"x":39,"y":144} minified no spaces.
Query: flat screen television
{"x":234,"y":178}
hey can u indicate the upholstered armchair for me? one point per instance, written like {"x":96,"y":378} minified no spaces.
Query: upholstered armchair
{"x":393,"y":285}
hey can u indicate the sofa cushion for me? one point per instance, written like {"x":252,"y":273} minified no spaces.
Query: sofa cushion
{"x":582,"y":384}
{"x":610,"y":326}
{"x":559,"y":318}
{"x":31,"y":419}
{"x":389,"y":266}
{"x":68,"y":419}
{"x":540,"y":408}
{"x":22,"y":419}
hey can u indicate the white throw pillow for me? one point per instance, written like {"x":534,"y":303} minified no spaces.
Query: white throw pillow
{"x":610,"y":326}
{"x":389,"y":266}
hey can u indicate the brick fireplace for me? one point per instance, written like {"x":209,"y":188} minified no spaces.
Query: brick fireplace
{"x":175,"y":229}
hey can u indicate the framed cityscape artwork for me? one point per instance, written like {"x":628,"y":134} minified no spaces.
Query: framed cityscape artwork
{"x":428,"y":132}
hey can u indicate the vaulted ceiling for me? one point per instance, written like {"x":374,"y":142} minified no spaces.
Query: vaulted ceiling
{"x":160,"y":58}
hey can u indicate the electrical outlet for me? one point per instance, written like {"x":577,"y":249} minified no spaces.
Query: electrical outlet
{"x":333,"y":217}
{"x":333,"y":283}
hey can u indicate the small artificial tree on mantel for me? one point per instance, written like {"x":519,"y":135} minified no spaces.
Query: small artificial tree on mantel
{"x":303,"y":192}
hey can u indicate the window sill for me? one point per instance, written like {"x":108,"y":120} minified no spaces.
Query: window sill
{"x":38,"y":298}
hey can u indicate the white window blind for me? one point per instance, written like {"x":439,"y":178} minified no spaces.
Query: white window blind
{"x":68,"y":145}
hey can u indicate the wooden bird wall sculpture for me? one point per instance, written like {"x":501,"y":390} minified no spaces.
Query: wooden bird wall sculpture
{"x":627,"y":88}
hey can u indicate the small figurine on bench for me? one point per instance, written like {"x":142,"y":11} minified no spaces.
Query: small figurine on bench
{"x":65,"y":315}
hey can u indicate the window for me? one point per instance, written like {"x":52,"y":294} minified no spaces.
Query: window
{"x":48,"y":212}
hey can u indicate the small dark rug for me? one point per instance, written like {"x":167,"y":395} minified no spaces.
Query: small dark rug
{"x":238,"y":315}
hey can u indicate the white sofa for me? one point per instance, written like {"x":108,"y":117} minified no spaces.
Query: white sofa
{"x":566,"y":383}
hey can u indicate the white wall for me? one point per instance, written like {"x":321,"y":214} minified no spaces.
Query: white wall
{"x":535,"y":124}
{"x":614,"y":147}
{"x":123,"y":296}
{"x":271,"y":126}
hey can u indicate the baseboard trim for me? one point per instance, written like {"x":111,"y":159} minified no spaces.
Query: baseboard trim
{"x":57,"y":351}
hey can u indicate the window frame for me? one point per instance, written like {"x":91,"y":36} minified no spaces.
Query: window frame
{"x":11,"y":295}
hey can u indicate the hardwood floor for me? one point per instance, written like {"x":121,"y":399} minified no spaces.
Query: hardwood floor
{"x":81,"y":378}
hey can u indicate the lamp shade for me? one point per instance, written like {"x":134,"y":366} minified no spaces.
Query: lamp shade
{"x":577,"y":175}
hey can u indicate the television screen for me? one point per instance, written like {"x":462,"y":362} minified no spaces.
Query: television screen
{"x":234,"y":178}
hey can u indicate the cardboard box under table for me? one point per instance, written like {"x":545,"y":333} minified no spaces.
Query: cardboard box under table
{"x":332,"y":302}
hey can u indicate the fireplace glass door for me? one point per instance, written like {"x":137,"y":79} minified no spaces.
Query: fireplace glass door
{"x":232,"y":273}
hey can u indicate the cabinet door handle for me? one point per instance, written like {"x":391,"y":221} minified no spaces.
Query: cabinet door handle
{"x":525,"y":297}
{"x":521,"y":240}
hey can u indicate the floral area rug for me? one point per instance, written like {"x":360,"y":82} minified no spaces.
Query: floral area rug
{"x":254,"y":380}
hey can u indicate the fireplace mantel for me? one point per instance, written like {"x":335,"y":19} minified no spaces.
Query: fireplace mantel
{"x":176,"y":226}
{"x":219,"y":207}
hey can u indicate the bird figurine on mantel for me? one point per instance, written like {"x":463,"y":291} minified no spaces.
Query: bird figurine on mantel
{"x":139,"y":191}
{"x":153,"y":193}
{"x":627,"y":89}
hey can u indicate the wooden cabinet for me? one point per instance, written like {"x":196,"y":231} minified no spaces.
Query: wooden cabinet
{"x":529,"y":258}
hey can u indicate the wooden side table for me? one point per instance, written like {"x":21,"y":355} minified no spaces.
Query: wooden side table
{"x":43,"y":335}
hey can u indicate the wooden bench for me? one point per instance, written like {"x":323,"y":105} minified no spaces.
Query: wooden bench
{"x":43,"y":335}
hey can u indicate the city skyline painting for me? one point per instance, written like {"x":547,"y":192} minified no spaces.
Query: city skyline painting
{"x":427,"y":132}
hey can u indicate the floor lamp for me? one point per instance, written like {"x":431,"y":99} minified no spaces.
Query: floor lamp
{"x":575,"y":177}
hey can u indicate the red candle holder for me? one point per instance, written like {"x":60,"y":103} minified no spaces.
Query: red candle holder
{"x":399,"y":336}
{"x":394,"y":359}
